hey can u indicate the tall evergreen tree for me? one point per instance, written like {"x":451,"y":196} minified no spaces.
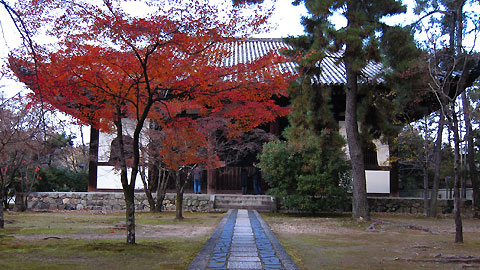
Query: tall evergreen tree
{"x":359,"y":43}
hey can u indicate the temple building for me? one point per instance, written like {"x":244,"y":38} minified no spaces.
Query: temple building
{"x":382,"y":179}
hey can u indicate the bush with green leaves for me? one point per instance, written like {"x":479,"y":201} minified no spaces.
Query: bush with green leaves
{"x":61,"y":179}
{"x":308,"y":174}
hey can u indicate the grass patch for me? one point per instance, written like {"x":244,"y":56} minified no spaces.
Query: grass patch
{"x":88,"y":240}
{"x":75,"y":254}
{"x":329,"y":242}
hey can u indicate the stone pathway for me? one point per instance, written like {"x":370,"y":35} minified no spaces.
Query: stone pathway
{"x":243,"y":240}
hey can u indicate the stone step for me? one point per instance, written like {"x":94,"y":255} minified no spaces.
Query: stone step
{"x":257,"y":197}
{"x":243,"y":202}
{"x":262,"y":203}
{"x":243,"y":198}
{"x":225,"y":208}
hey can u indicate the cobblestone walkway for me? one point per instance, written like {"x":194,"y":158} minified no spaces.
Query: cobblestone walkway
{"x":243,"y":240}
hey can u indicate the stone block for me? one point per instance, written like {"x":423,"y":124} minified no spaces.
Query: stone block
{"x":243,"y":249}
{"x":243,"y":259}
{"x":215,"y":264}
{"x":243,"y":254}
{"x":272,"y":266}
{"x":244,"y":265}
{"x":98,"y":197}
{"x":271,"y":260}
{"x":44,"y":205}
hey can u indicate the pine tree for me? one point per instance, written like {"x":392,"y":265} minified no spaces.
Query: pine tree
{"x":359,"y":43}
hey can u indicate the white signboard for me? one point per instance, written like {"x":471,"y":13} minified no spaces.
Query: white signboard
{"x":378,"y":181}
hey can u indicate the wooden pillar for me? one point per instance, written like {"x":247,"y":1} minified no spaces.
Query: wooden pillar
{"x":275,"y":128}
{"x":211,"y":181}
{"x":211,"y":174}
{"x":93,"y":159}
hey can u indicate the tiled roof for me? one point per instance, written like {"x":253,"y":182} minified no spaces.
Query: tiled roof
{"x":333,"y":71}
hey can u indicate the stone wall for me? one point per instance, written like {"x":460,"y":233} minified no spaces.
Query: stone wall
{"x":112,"y":201}
{"x":199,"y":202}
{"x":410,"y":205}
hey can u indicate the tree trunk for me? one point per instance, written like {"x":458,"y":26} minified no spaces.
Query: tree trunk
{"x":162,"y":189}
{"x":425,"y":191}
{"x":147,"y":187}
{"x":467,"y":118}
{"x":129,"y":194}
{"x":130,"y":215}
{"x":425,"y":171}
{"x":360,"y":208}
{"x":93,"y":160}
{"x":472,"y":170}
{"x":2,"y":218}
{"x":20,"y":202}
{"x":5,"y":203}
{"x":128,"y":189}
{"x":456,"y":192}
{"x":179,"y":198}
{"x":463,"y":176}
{"x":438,"y":163}
{"x":150,"y":199}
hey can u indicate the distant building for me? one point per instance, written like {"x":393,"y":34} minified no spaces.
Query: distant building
{"x":379,"y":180}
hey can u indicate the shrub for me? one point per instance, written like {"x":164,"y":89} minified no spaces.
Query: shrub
{"x":310,"y":174}
{"x":61,"y":179}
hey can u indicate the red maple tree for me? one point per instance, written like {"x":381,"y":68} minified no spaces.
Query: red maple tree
{"x":106,"y":65}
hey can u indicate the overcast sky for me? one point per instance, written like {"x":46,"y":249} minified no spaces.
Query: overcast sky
{"x":286,"y":19}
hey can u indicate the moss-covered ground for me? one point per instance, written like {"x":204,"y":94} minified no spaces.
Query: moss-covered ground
{"x":339,"y":242}
{"x":92,"y":240}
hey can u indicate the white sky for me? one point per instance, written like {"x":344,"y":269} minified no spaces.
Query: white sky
{"x":286,"y":20}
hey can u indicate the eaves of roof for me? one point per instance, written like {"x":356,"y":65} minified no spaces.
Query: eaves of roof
{"x":332,"y":72}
